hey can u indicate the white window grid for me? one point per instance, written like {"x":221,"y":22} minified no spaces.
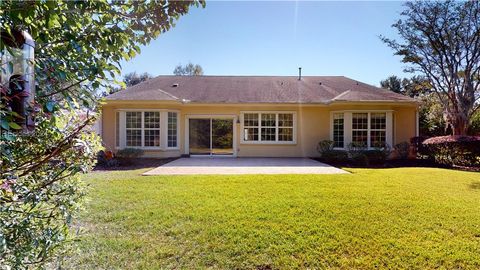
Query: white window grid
{"x":338,"y":130}
{"x":172,"y":140}
{"x":268,"y":127}
{"x":152,"y":132}
{"x":378,"y":129}
{"x":360,"y":129}
{"x":133,"y":129}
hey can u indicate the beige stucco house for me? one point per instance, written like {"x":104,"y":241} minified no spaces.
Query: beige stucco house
{"x":254,"y":116}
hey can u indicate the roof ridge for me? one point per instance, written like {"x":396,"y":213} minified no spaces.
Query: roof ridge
{"x":167,"y":93}
{"x":341,"y":95}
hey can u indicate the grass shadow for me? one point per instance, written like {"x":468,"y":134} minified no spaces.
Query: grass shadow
{"x":474,"y":185}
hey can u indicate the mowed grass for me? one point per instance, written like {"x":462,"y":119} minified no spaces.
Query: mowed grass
{"x":415,"y":218}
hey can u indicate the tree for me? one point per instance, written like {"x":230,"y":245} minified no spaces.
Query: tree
{"x":188,"y":70}
{"x":441,"y":40}
{"x":132,"y":78}
{"x":412,"y":87}
{"x":79,"y":47}
{"x":392,"y":83}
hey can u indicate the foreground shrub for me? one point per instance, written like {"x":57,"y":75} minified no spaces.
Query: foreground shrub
{"x":376,"y":156}
{"x":360,"y":155}
{"x":454,"y":150}
{"x":129,"y":153}
{"x":40,"y":190}
{"x":125,"y":156}
{"x":324,"y":146}
{"x":335,"y":156}
{"x":106,"y":159}
{"x":402,"y":149}
{"x":419,"y":148}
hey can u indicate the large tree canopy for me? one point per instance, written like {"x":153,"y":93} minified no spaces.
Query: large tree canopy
{"x":188,"y":70}
{"x":441,"y":40}
{"x":80,"y":45}
{"x":132,"y":78}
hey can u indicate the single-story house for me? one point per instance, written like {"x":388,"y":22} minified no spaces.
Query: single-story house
{"x":254,"y":116}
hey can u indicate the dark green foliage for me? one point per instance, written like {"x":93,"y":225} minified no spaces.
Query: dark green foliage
{"x":441,"y":41}
{"x":324,"y":146}
{"x":107,"y":161}
{"x":418,"y":147}
{"x":125,"y":156}
{"x":132,"y":78}
{"x":454,"y":150}
{"x":129,"y":153}
{"x":402,"y":149}
{"x":188,"y":70}
{"x":360,"y":160}
{"x":413,"y":87}
{"x":79,"y":48}
{"x":376,"y":156}
{"x":335,"y":157}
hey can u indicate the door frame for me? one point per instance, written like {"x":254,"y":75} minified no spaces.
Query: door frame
{"x":233,"y":117}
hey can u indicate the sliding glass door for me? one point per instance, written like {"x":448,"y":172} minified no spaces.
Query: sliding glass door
{"x":211,"y":136}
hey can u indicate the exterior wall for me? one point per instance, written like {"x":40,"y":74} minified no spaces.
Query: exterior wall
{"x":313,"y":125}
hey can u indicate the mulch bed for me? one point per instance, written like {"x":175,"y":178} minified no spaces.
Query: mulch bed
{"x":402,"y":163}
{"x":135,"y":164}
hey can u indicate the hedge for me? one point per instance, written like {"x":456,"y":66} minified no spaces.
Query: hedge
{"x":454,"y":150}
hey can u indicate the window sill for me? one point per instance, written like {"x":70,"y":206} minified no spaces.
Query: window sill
{"x":267,"y":143}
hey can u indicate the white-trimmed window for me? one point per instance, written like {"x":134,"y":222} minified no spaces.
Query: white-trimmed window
{"x":378,"y":129}
{"x":172,"y":130}
{"x":363,"y":128}
{"x":338,"y":130}
{"x":360,"y":129}
{"x":133,"y":129}
{"x":151,"y":129}
{"x":268,"y":127}
{"x":117,"y":129}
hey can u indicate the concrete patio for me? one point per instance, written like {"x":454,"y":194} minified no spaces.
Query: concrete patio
{"x":219,"y":165}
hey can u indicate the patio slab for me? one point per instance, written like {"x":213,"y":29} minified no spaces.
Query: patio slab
{"x":218,"y":165}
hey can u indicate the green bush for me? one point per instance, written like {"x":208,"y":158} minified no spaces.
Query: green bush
{"x":129,"y":153}
{"x":402,"y":149}
{"x":335,"y":156}
{"x":324,"y":146}
{"x":376,"y":156}
{"x":455,"y":150}
{"x":360,"y":159}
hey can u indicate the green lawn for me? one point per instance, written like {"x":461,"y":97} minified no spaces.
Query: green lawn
{"x":414,"y":218}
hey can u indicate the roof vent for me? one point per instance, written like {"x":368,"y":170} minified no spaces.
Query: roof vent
{"x":320,"y":83}
{"x":175,"y":85}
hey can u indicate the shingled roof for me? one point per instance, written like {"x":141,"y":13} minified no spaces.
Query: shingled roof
{"x":256,"y":89}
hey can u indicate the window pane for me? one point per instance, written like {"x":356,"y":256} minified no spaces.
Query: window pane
{"x":134,"y":137}
{"x":117,"y":129}
{"x":268,"y":134}
{"x":172,"y":129}
{"x":338,"y":128}
{"x":359,"y":137}
{"x":152,"y":137}
{"x":377,"y":138}
{"x":285,"y":120}
{"x":250,"y":119}
{"x":133,"y":119}
{"x":360,"y":121}
{"x":250,"y":134}
{"x":268,"y":120}
{"x":152,"y":119}
{"x":285,"y":134}
{"x":378,"y":120}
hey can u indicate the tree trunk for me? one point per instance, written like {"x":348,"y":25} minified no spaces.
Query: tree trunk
{"x":459,"y":124}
